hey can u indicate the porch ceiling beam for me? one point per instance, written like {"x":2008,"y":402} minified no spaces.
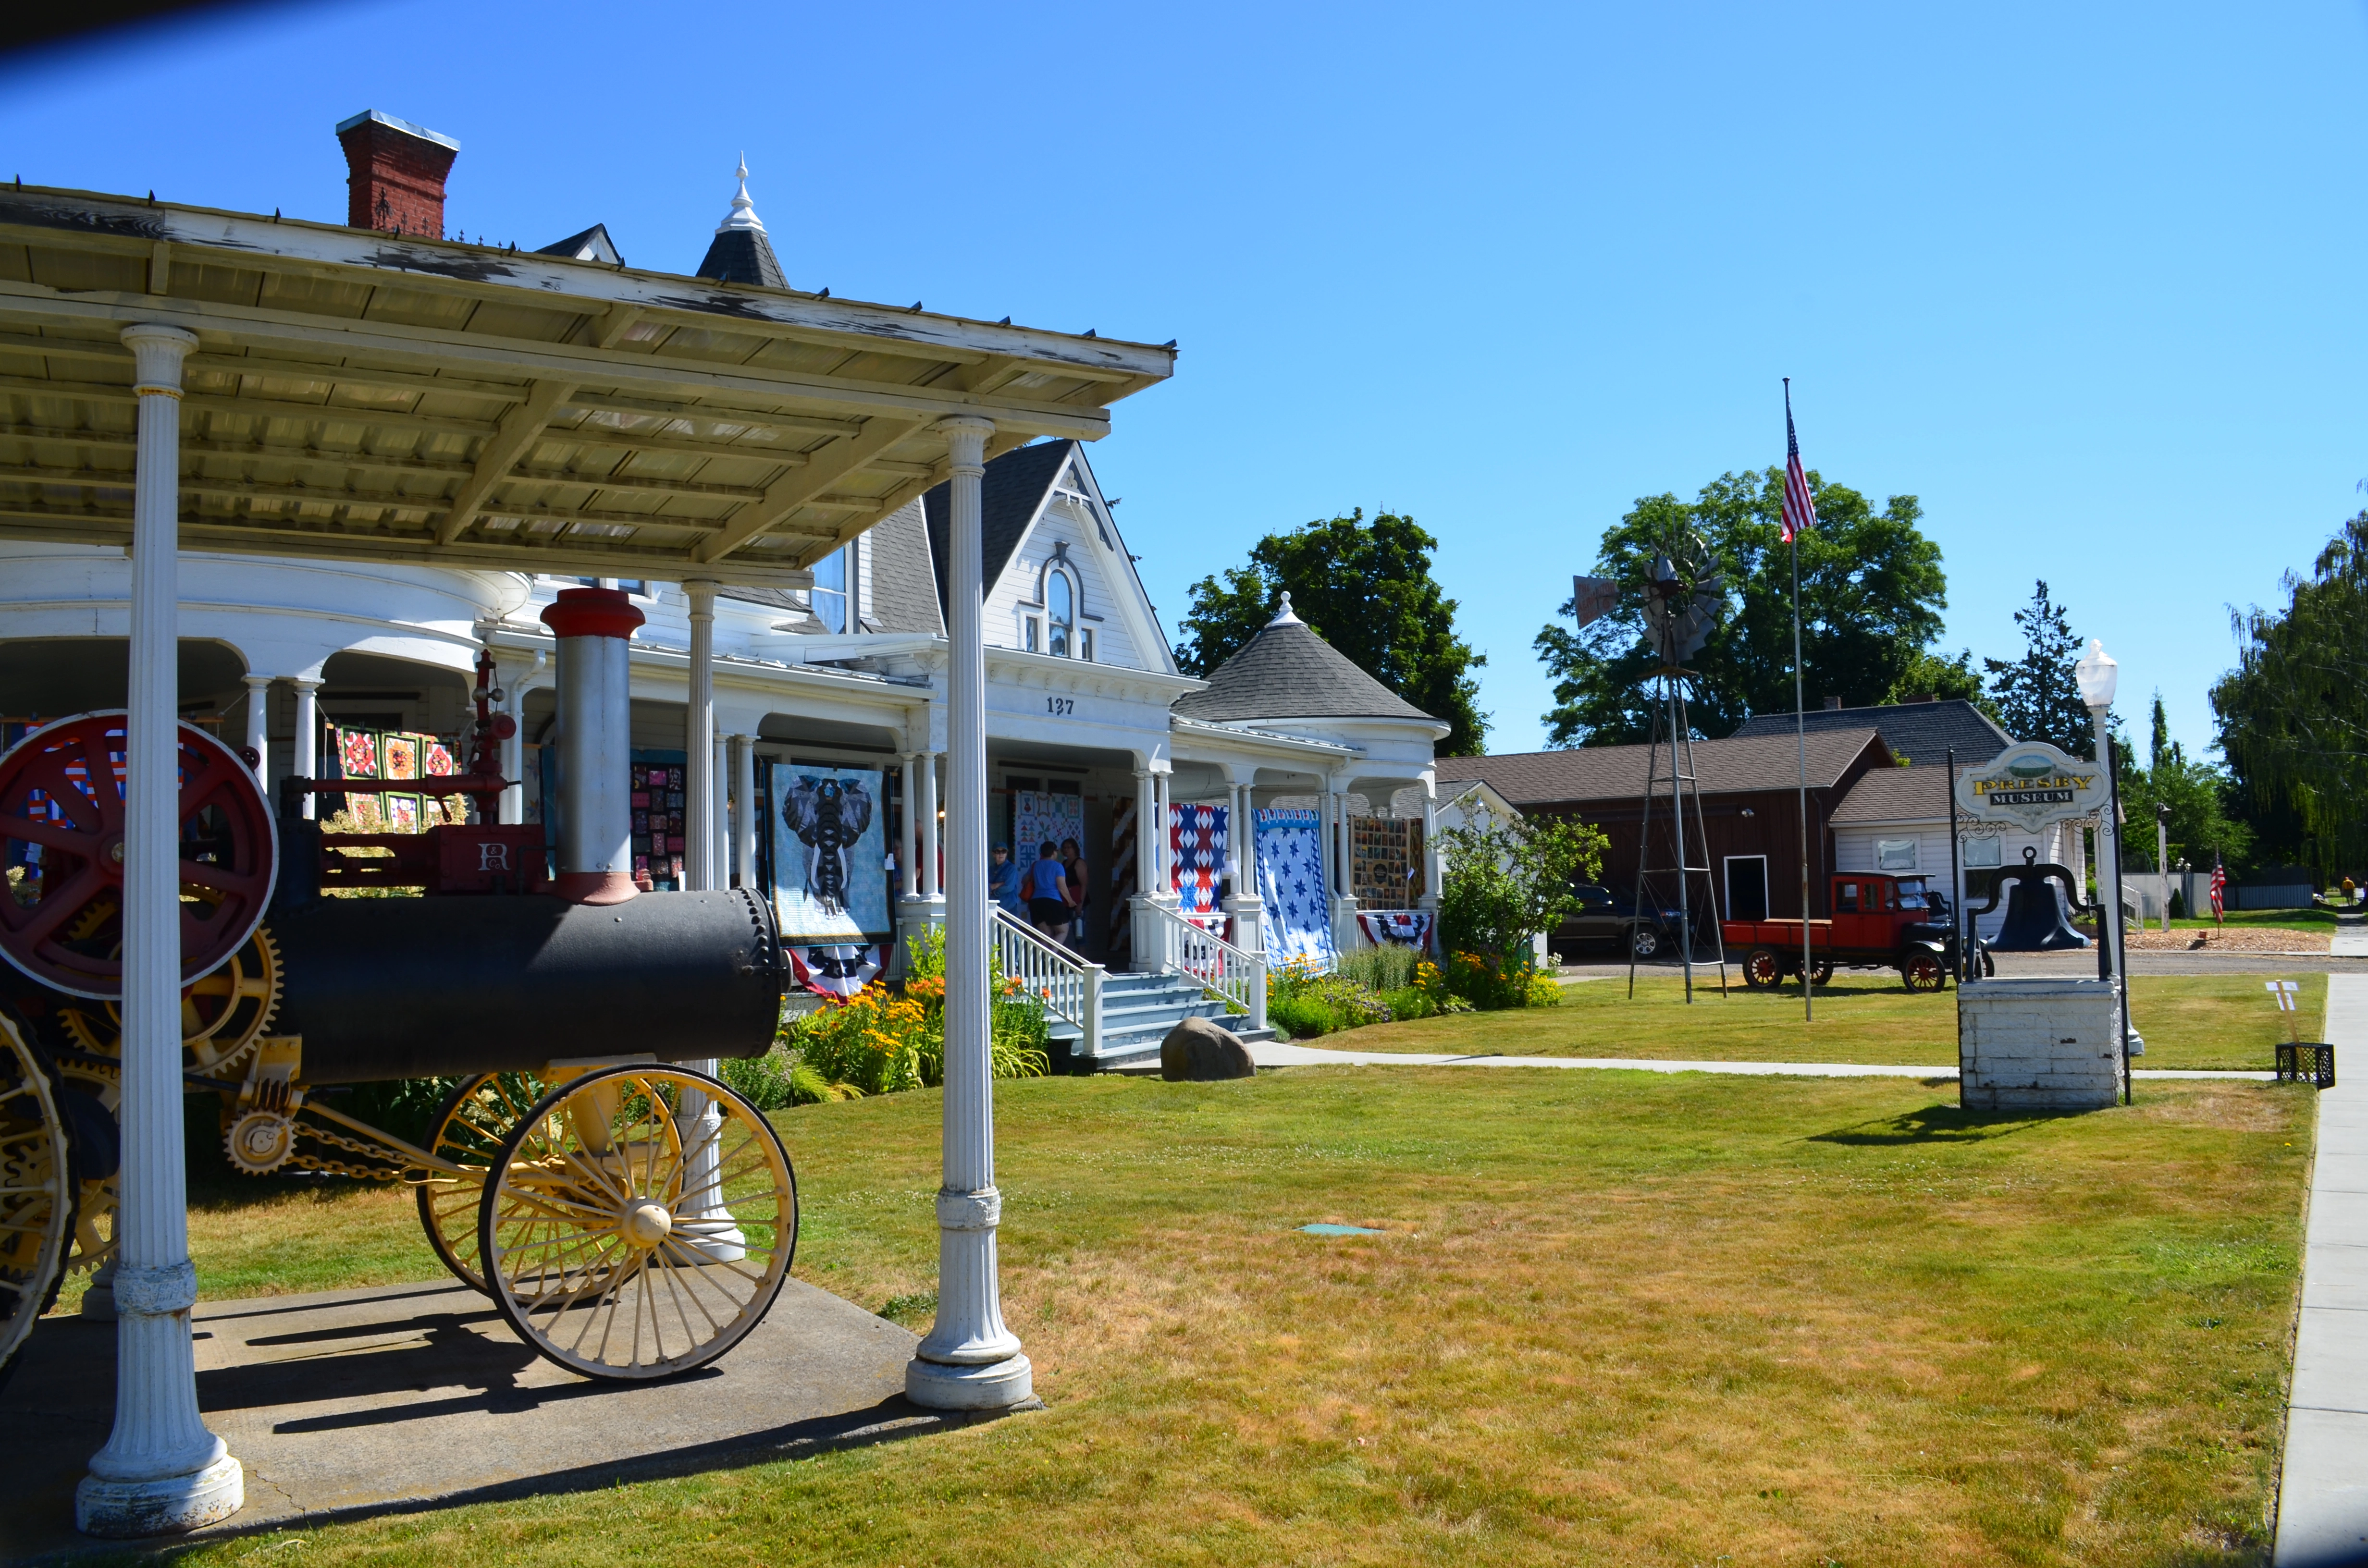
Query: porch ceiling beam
{"x":724,"y":414}
{"x":502,"y":451}
{"x":35,"y":304}
{"x":677,"y":446}
{"x":827,"y":467}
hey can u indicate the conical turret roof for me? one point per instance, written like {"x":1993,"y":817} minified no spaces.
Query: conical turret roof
{"x":1288,"y":672}
{"x":740,"y":253}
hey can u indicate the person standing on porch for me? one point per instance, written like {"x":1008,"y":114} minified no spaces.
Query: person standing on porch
{"x":1073,"y":863}
{"x":1048,"y":893}
{"x":1003,"y":883}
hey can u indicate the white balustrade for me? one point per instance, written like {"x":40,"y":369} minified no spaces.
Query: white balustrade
{"x":1069,"y":986}
{"x":1185,"y":948}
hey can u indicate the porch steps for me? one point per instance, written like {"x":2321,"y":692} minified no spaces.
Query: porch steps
{"x":1137,"y":1012}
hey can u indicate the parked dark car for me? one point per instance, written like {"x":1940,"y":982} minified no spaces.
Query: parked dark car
{"x":1606,"y":918}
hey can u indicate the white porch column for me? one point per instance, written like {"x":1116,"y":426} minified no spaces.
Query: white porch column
{"x":719,"y":868}
{"x":259,"y":727}
{"x":930,"y":849}
{"x":1146,"y":807}
{"x":970,"y":1360}
{"x":514,"y":690}
{"x":1163,"y":853}
{"x":909,"y":850}
{"x":699,"y":744}
{"x":744,"y":821}
{"x":161,"y":1470}
{"x":1431,"y":861}
{"x":307,"y":761}
{"x":1246,"y":908}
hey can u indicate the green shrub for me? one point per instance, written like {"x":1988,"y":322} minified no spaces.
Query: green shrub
{"x":1302,"y":1000}
{"x":1300,"y":1017}
{"x":1409,"y":1002}
{"x":1546,"y":991}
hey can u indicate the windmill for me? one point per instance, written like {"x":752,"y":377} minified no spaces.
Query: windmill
{"x":1680,"y":606}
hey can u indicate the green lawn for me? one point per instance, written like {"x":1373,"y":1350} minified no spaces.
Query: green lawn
{"x":2318,"y":918}
{"x":2222,"y":1021}
{"x":1614,"y":1318}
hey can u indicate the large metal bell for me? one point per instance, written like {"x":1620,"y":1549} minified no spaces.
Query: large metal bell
{"x":2035,"y":915}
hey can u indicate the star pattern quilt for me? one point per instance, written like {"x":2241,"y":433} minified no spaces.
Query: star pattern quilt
{"x":1291,"y":881}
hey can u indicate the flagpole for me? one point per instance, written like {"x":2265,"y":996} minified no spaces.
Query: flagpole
{"x":1801,"y":740}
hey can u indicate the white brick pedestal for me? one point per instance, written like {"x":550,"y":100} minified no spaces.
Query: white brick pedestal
{"x":2039,"y":1045}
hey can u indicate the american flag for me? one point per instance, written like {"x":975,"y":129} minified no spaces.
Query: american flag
{"x":2219,"y":882}
{"x":1800,"y":511}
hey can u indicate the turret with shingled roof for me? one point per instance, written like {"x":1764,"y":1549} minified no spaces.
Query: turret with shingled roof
{"x":740,"y":253}
{"x":1289,"y":672}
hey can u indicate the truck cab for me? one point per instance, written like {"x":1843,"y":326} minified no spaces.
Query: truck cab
{"x":1879,"y":921}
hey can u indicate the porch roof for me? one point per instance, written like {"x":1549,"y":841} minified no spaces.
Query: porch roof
{"x":371,"y":396}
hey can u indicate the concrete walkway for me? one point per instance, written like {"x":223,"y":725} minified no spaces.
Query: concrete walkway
{"x":2323,"y":1496}
{"x":1274,"y":1053}
{"x":2351,"y":939}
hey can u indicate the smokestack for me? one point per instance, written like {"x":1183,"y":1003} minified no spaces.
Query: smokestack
{"x":396,"y":178}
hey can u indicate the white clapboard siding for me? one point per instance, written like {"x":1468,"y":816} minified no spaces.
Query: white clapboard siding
{"x":1015,"y":594}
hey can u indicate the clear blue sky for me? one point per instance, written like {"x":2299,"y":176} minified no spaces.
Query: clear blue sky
{"x":2085,"y":280}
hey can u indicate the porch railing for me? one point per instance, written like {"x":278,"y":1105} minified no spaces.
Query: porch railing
{"x":1069,"y":987}
{"x":1195,"y":950}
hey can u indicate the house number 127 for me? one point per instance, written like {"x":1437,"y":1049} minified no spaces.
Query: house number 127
{"x":1060,"y":705}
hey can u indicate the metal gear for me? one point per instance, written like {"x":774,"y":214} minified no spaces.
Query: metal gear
{"x":259,"y":1141}
{"x":223,"y":1014}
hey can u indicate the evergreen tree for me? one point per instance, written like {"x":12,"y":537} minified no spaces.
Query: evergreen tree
{"x":2038,"y":697}
{"x":1367,"y":589}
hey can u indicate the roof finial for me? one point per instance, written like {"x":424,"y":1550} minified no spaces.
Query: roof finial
{"x":744,"y":211}
{"x":1284,"y":617}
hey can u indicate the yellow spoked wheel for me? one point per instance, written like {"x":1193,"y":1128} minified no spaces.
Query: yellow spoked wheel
{"x":638,"y":1223}
{"x":36,"y":1195}
{"x":222,"y":1014}
{"x":469,"y":1129}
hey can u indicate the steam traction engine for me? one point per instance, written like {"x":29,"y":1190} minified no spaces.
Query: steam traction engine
{"x":631,"y":1216}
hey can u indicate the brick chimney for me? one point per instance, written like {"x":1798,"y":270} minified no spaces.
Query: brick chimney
{"x":396,"y":181}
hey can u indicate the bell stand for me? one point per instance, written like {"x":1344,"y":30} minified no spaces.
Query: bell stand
{"x":1669,"y":715}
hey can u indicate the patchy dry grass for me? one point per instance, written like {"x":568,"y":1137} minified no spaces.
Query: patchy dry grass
{"x":1612,"y":1318}
{"x":2221,"y":1021}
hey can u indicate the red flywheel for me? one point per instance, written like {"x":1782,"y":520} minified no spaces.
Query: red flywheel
{"x":62,"y":848}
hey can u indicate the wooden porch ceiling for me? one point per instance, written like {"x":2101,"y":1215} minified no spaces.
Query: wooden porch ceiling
{"x":369,"y":396}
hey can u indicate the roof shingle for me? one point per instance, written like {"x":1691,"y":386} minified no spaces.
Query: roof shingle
{"x":1923,"y":733}
{"x":1288,"y":672}
{"x":1618,"y":773}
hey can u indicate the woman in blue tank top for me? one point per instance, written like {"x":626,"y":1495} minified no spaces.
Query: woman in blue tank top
{"x":1048,"y":892}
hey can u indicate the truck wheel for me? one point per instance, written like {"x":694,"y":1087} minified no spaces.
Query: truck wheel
{"x":1762,"y":969}
{"x":1923,"y":972}
{"x":1822,"y":972}
{"x":1644,"y":941}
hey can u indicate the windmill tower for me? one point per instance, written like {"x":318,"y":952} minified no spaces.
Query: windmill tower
{"x":1680,"y":606}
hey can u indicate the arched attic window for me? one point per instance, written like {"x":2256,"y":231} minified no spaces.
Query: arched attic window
{"x":1060,"y":613}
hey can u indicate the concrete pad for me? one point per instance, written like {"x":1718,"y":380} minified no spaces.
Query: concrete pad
{"x":2331,"y":1360}
{"x":2337,"y":1219}
{"x":403,"y":1396}
{"x":2340,"y":1172}
{"x":2323,"y":1506}
{"x":2335,"y":1276}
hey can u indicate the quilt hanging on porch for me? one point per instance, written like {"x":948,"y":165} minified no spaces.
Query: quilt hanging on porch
{"x":1291,"y":881}
{"x":1384,"y":860}
{"x":829,"y":845}
{"x":1196,"y":841}
{"x":391,"y":754}
{"x":1041,"y":817}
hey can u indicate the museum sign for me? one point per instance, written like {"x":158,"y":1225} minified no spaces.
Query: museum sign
{"x":2030,"y":785}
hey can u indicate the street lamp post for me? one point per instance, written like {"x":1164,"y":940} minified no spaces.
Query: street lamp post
{"x":2098,"y":676}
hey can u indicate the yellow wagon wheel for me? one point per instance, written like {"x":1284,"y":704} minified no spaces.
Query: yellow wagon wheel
{"x":36,"y":1195}
{"x":476,"y":1117}
{"x":638,"y":1223}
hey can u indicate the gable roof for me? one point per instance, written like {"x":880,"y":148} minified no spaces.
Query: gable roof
{"x":1288,"y":672}
{"x":592,"y":244}
{"x":903,"y":595}
{"x":1923,"y":733}
{"x":1897,"y":794}
{"x":1737,"y":765}
{"x":1011,"y":495}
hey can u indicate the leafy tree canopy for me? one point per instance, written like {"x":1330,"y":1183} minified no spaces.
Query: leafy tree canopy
{"x":1872,"y":593}
{"x":2037,"y":696}
{"x":2293,"y":715}
{"x":2200,"y":827}
{"x":1367,"y":589}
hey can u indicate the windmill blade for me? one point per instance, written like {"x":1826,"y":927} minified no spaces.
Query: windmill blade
{"x":1593,"y":598}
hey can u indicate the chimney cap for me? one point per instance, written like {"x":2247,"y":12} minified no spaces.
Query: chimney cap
{"x":370,"y":115}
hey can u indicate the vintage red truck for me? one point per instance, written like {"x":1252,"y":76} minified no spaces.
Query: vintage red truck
{"x":1879,"y":922}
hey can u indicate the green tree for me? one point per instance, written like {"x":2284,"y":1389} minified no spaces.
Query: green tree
{"x":1930,"y":675}
{"x":1872,"y":593}
{"x":2198,"y":794}
{"x":2038,"y":697}
{"x":2293,"y":715}
{"x":1367,"y":589}
{"x":1503,"y":885}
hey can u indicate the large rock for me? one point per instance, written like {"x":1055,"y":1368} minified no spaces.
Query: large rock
{"x":1198,"y":1051}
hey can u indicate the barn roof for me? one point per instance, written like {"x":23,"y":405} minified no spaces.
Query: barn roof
{"x":1735,"y":765}
{"x":1923,"y":733}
